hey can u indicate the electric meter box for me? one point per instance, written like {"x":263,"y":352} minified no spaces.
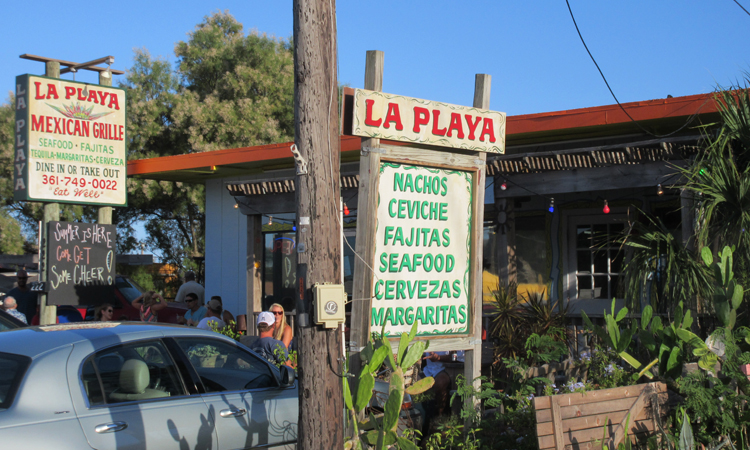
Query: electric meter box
{"x":329,"y":304}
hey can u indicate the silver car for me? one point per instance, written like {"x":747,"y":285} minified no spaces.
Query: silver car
{"x":140,"y":386}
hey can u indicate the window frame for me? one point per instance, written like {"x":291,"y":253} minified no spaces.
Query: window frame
{"x":179,"y":374}
{"x":24,"y":364}
{"x":594,"y":306}
{"x":275,"y":373}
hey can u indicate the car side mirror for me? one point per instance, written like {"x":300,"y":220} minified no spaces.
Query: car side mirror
{"x":287,"y":376}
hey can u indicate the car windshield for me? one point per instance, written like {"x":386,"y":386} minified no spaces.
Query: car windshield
{"x":12,"y":370}
{"x":128,"y":288}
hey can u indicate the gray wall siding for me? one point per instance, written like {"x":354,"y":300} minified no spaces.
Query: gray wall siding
{"x":226,"y":244}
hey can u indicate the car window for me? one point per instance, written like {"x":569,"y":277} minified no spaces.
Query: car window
{"x":226,"y":367}
{"x":12,"y":370}
{"x":130,"y":372}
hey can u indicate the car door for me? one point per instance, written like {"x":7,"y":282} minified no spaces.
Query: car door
{"x":242,"y":391}
{"x":134,"y":396}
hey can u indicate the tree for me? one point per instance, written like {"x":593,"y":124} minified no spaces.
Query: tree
{"x":228,"y":90}
{"x":19,"y":220}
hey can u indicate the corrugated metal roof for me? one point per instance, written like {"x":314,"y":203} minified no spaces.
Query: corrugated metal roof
{"x":535,"y":162}
{"x":281,"y":186}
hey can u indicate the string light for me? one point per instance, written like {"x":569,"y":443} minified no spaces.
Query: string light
{"x":606,"y":207}
{"x":346,"y":210}
{"x":270,"y":220}
{"x":236,"y":205}
{"x":659,"y":190}
{"x":552,"y":205}
{"x":504,"y":186}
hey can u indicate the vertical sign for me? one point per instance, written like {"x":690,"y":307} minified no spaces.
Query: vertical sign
{"x":81,"y":268}
{"x":70,"y":144}
{"x":423,"y":250}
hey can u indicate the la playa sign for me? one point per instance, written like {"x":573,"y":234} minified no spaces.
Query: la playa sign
{"x":423,"y":250}
{"x":394,"y":117}
{"x":70,"y":143}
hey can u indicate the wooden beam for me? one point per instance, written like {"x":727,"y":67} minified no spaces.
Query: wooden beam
{"x":369,"y":165}
{"x":593,"y":179}
{"x":557,"y":424}
{"x":254,"y":268}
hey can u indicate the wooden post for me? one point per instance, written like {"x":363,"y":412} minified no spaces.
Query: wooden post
{"x":369,"y":163}
{"x":254,"y":270}
{"x":473,"y":355}
{"x":48,"y":313}
{"x":105,"y":212}
{"x":316,"y":126}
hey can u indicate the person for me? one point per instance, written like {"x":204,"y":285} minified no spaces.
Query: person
{"x":195,"y":311}
{"x":266,"y":345}
{"x":25,"y":299}
{"x":213,"y":314}
{"x":10,"y":306}
{"x":190,"y":286}
{"x":226,"y":316}
{"x":105,"y":312}
{"x":281,"y":330}
{"x":434,"y":368}
{"x":149,"y":304}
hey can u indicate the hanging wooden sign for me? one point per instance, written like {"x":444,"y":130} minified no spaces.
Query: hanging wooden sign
{"x":394,"y":117}
{"x":423,"y":248}
{"x":70,"y":143}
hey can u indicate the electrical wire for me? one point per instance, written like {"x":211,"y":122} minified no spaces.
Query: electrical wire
{"x":743,"y":8}
{"x":689,"y":120}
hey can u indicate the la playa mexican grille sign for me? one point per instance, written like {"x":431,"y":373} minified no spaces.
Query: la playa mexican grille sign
{"x":70,"y":142}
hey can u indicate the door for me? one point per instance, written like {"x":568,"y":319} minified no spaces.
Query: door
{"x":243,"y":395}
{"x":133,"y":397}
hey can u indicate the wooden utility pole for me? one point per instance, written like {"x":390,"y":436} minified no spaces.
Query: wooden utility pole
{"x":48,"y":313}
{"x":104,"y":213}
{"x":316,"y":127}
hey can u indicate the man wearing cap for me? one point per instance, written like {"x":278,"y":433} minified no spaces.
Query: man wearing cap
{"x":266,"y":346}
{"x":25,"y":298}
{"x":213,"y":314}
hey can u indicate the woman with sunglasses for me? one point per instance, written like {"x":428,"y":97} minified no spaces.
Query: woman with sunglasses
{"x":281,"y":330}
{"x":105,"y":312}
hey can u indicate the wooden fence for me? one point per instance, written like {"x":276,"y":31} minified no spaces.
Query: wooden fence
{"x":577,"y":421}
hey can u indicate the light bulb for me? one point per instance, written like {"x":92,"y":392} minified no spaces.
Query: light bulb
{"x":606,"y":207}
{"x":270,"y":220}
{"x":504,"y":186}
{"x":552,"y":205}
{"x":659,"y":190}
{"x":346,"y":210}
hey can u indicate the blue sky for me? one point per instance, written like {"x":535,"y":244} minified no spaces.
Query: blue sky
{"x":646,"y":49}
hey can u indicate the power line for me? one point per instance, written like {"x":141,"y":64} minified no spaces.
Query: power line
{"x":743,"y":8}
{"x":690,"y":119}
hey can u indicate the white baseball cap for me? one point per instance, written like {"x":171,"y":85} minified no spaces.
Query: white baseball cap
{"x":265,"y":317}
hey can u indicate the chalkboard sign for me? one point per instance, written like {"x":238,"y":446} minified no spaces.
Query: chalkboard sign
{"x":81,"y":268}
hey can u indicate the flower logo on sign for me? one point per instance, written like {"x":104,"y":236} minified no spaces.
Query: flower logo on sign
{"x":79,"y":112}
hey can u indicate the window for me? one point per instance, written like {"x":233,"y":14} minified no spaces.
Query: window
{"x":130,"y":372}
{"x":594,"y":262}
{"x":12,"y":370}
{"x":225,"y":367}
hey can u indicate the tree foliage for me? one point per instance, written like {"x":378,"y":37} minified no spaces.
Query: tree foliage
{"x":229,"y":89}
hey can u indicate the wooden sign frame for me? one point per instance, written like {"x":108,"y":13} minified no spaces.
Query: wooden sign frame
{"x":371,"y":155}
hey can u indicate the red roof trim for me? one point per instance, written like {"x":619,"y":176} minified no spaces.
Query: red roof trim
{"x":527,"y":123}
